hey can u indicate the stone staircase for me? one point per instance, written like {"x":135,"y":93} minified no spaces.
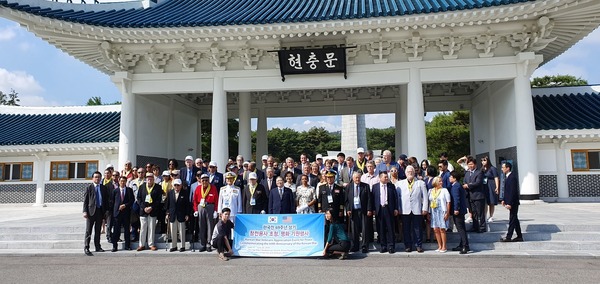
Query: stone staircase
{"x":539,"y":238}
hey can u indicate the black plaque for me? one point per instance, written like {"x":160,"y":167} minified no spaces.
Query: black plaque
{"x":312,"y":61}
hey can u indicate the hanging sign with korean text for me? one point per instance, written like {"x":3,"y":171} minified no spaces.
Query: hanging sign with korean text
{"x":312,"y":61}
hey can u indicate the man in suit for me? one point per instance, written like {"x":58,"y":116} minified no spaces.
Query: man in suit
{"x":331,"y":195}
{"x":281,"y":199}
{"x":215,"y":177}
{"x":290,"y":167}
{"x":187,"y":174}
{"x":149,"y":199}
{"x":385,"y":200}
{"x":473,"y":183}
{"x":459,"y":206}
{"x":255,"y":197}
{"x":347,"y":172}
{"x":413,"y":203}
{"x":95,"y":204}
{"x":260,"y":175}
{"x":120,"y":203}
{"x":178,"y":211}
{"x":511,"y":202}
{"x":359,"y":208}
{"x":313,"y":180}
{"x":110,"y":180}
{"x":269,"y":182}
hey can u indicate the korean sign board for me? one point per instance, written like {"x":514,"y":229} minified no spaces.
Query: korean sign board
{"x":312,"y":61}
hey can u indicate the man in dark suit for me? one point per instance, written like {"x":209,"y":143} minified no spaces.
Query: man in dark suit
{"x":95,"y":204}
{"x":269,"y":181}
{"x":149,"y":199}
{"x":290,"y":167}
{"x":348,"y":171}
{"x":359,"y":208}
{"x":386,"y":208}
{"x":178,"y":210}
{"x":281,"y":199}
{"x":255,"y":198}
{"x":459,"y":206}
{"x":473,"y":183}
{"x":511,"y":202}
{"x":214,"y":177}
{"x":313,"y":180}
{"x":187,"y":174}
{"x":121,"y":201}
{"x":110,"y":180}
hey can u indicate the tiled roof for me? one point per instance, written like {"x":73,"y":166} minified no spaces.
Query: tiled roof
{"x":189,"y":13}
{"x":567,"y":111}
{"x":28,"y":129}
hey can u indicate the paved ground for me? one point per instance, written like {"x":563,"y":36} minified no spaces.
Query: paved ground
{"x":99,"y":269}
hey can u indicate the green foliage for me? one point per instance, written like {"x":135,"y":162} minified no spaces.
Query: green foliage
{"x":382,"y":139}
{"x":10,"y":99}
{"x":97,"y":101}
{"x":233,"y":137}
{"x":448,"y":133}
{"x":557,"y":81}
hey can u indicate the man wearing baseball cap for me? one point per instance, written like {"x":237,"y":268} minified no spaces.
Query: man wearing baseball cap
{"x":178,"y":212}
{"x":205,"y":199}
{"x":214,"y":176}
{"x":361,"y":161}
{"x":255,"y":198}
{"x":187,"y":174}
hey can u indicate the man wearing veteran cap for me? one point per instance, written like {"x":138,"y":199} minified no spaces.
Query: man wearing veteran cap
{"x":178,"y":211}
{"x":255,"y":198}
{"x":187,"y":174}
{"x":215,"y":177}
{"x":149,"y":199}
{"x":205,"y":198}
{"x":361,"y":160}
{"x":230,"y":196}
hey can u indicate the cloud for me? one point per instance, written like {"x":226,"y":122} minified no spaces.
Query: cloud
{"x":29,"y":90}
{"x":382,"y":120}
{"x":7,"y":33}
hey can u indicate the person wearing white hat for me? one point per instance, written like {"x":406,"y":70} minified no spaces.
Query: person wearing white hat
{"x":205,"y":199}
{"x":187,"y":174}
{"x":319,"y":160}
{"x":361,"y":160}
{"x":255,"y":198}
{"x":230,"y":196}
{"x":214,"y":176}
{"x":148,"y":198}
{"x":264,"y":162}
{"x":178,"y":212}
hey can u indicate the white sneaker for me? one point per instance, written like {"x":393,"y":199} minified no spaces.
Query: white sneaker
{"x":490,"y":220}
{"x":469,"y":220}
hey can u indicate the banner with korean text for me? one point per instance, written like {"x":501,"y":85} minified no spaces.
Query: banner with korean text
{"x":279,"y":235}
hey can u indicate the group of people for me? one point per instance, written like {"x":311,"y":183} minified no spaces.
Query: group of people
{"x":401,"y":196}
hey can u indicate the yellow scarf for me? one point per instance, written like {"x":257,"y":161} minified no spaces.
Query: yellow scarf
{"x":435,"y":193}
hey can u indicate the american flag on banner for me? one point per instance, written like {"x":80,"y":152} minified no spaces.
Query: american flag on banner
{"x":287,"y":219}
{"x":272,"y":219}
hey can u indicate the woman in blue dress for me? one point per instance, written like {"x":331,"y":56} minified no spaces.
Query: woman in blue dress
{"x":439,"y":209}
{"x":492,"y":181}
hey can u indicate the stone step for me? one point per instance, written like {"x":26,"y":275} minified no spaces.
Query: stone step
{"x":75,"y":244}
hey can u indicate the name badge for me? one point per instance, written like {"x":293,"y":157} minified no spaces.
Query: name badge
{"x":148,"y":198}
{"x":164,"y":197}
{"x":252,"y":201}
{"x":329,"y":199}
{"x":484,"y":180}
{"x":226,"y":203}
{"x":356,"y":200}
{"x":202,"y":202}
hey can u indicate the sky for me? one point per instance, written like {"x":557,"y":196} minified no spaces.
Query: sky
{"x":45,"y":76}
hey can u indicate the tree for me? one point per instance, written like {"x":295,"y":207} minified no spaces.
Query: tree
{"x":557,"y":81}
{"x":10,"y":99}
{"x":382,"y":139}
{"x":448,"y":133}
{"x":232,"y":136}
{"x":97,"y":101}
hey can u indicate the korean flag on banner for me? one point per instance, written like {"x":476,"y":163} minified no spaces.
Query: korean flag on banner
{"x":272,"y":220}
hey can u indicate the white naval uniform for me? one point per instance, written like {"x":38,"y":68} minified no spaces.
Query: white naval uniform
{"x":230,"y":196}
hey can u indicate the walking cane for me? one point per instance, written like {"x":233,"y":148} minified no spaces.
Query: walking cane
{"x":168,"y":233}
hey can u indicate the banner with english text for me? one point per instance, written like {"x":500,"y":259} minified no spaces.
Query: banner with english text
{"x":279,"y":235}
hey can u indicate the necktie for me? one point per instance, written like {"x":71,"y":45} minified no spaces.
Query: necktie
{"x":189,"y":177}
{"x":98,"y":197}
{"x":281,"y":192}
{"x":270,"y":183}
{"x":122,"y":194}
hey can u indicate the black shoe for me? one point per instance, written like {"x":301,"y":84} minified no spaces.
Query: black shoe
{"x":181,"y":249}
{"x":468,"y":248}
{"x":354,"y":250}
{"x":464,"y":250}
{"x":392,"y":251}
{"x":458,"y":248}
{"x":420,"y":250}
{"x":383,"y":250}
{"x":365,"y":250}
{"x":173,"y":249}
{"x":202,"y":249}
{"x":99,"y":250}
{"x":87,"y":252}
{"x":506,"y":240}
{"x":208,"y":248}
{"x":127,"y":248}
{"x":113,"y":250}
{"x":408,"y":250}
{"x":518,"y":239}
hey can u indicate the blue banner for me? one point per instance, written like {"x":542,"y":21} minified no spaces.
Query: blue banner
{"x":279,"y":235}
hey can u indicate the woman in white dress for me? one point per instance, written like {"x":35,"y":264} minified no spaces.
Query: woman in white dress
{"x":439,"y":208}
{"x":305,"y":197}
